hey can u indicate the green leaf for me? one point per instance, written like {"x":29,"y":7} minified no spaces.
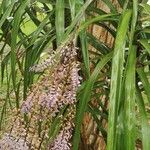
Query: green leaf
{"x":4,"y":6}
{"x":106,"y":17}
{"x":145,"y":81}
{"x":85,"y":53}
{"x":146,"y":8}
{"x":144,"y":121}
{"x":129,"y":105}
{"x":59,"y":20}
{"x":72,"y":4}
{"x":38,"y":30}
{"x":15,"y":29}
{"x":83,"y":40}
{"x":97,"y":44}
{"x":7,"y":13}
{"x":77,"y":18}
{"x":116,"y":79}
{"x":145,"y":44}
{"x":100,"y":127}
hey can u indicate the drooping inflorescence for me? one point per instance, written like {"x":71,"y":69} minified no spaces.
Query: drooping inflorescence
{"x":55,"y":91}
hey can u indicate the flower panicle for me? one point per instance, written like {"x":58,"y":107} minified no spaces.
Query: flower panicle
{"x":64,"y":83}
{"x":56,"y":89}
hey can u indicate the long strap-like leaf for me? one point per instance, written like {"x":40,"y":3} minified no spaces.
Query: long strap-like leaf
{"x":116,"y":79}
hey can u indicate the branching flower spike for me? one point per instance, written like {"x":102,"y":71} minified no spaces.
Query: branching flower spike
{"x":53,"y":97}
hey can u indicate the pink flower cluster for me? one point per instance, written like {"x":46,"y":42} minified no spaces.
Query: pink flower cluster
{"x":56,"y":89}
{"x":62,"y":141}
{"x":51,"y":60}
{"x":11,"y":143}
{"x":61,"y":88}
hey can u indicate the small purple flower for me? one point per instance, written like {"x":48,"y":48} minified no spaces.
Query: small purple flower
{"x":11,"y":143}
{"x":62,"y":142}
{"x":57,"y":88}
{"x":27,"y":105}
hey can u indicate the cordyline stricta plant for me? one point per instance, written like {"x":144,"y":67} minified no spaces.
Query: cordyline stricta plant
{"x":53,"y":97}
{"x":75,"y":74}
